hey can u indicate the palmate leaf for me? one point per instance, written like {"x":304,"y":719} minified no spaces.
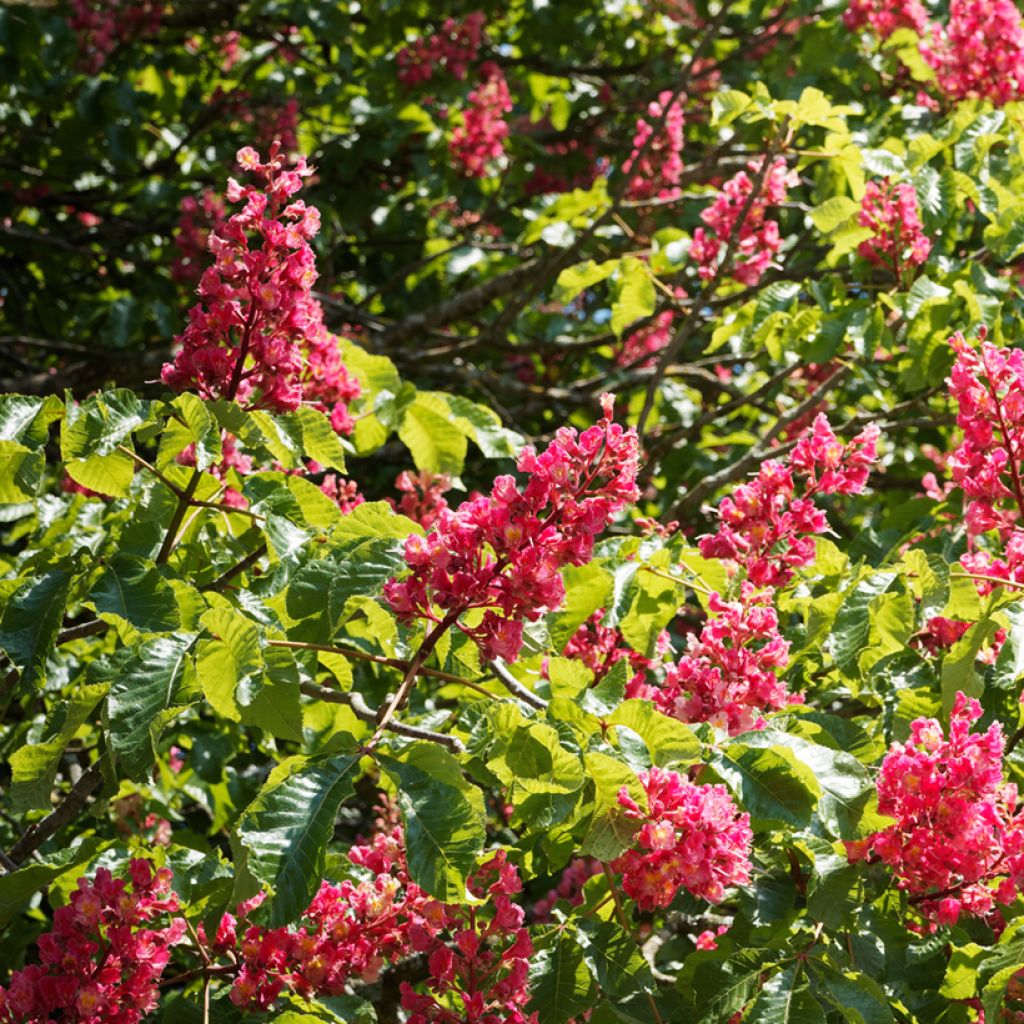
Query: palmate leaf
{"x":132,"y":589}
{"x":770,"y":783}
{"x":560,"y":983}
{"x":284,"y":832}
{"x":786,"y":999}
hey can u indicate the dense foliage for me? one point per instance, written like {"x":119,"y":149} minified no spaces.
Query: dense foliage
{"x":512,"y":513}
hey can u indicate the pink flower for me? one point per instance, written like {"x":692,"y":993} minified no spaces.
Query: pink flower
{"x":957,"y":845}
{"x":502,"y":554}
{"x":980,"y":51}
{"x":659,"y":170}
{"x":885,"y":16}
{"x":102,"y":24}
{"x":757,"y":240}
{"x":891,"y":213}
{"x":451,"y":50}
{"x":479,"y":141}
{"x":101,"y":962}
{"x":692,"y":837}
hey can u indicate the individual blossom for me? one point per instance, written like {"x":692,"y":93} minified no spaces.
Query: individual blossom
{"x":482,"y":971}
{"x":501,"y":555}
{"x":766,"y":528}
{"x":692,"y":838}
{"x":422,"y":498}
{"x":884,"y":17}
{"x":754,"y":239}
{"x":655,"y":164}
{"x":103,"y":960}
{"x":709,"y":939}
{"x":891,"y":212}
{"x":979,"y":52}
{"x":479,"y":141}
{"x":728,"y":675}
{"x":451,"y":50}
{"x":957,"y":845}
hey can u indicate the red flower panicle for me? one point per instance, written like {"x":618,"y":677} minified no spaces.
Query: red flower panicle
{"x":766,"y":528}
{"x":479,"y":141}
{"x":102,"y":24}
{"x":502,"y":554}
{"x":102,"y":962}
{"x":657,"y":169}
{"x":692,"y":838}
{"x":483,"y":966}
{"x":756,"y":240}
{"x":885,"y":16}
{"x":957,"y":845}
{"x":451,"y":50}
{"x":422,"y":498}
{"x":979,"y":53}
{"x":890,"y":211}
{"x":728,"y":674}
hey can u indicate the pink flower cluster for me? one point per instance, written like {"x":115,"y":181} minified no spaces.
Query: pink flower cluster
{"x":348,"y":930}
{"x":769,"y":531}
{"x":958,"y":843}
{"x":979,"y":52}
{"x":502,"y":554}
{"x":756,"y":239}
{"x":479,"y":141}
{"x":255,"y":303}
{"x":569,"y":887}
{"x":600,"y":647}
{"x":728,"y":674}
{"x":198,"y":218}
{"x":451,"y":50}
{"x":102,"y":24}
{"x":656,"y":162}
{"x":258,"y":334}
{"x":485,"y":964}
{"x":640,"y":347}
{"x":101,"y":963}
{"x":885,"y":16}
{"x":890,"y":211}
{"x":422,"y":498}
{"x":692,"y":838}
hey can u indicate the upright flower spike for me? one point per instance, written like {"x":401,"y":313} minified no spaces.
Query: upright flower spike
{"x":766,"y":528}
{"x":957,"y":845}
{"x":891,"y":212}
{"x":479,"y":141}
{"x":657,"y":172}
{"x":757,"y":240}
{"x":102,"y":961}
{"x":692,"y":837}
{"x":885,"y":16}
{"x":451,"y":50}
{"x":502,"y":554}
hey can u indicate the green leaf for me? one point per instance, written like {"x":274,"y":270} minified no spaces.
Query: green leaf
{"x":435,"y":443}
{"x":770,"y":783}
{"x":610,"y":832}
{"x":31,"y":620}
{"x":853,"y":622}
{"x":286,"y":829}
{"x":444,"y":818}
{"x":635,"y":299}
{"x":614,"y":959}
{"x":131,"y":589}
{"x":26,"y":420}
{"x":560,"y":984}
{"x":669,"y":741}
{"x":33,"y":766}
{"x":785,"y":999}
{"x":17,"y":887}
{"x":833,"y":213}
{"x":718,"y":983}
{"x":573,"y":280}
{"x":147,"y":681}
{"x":194,"y":425}
{"x":860,"y":999}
